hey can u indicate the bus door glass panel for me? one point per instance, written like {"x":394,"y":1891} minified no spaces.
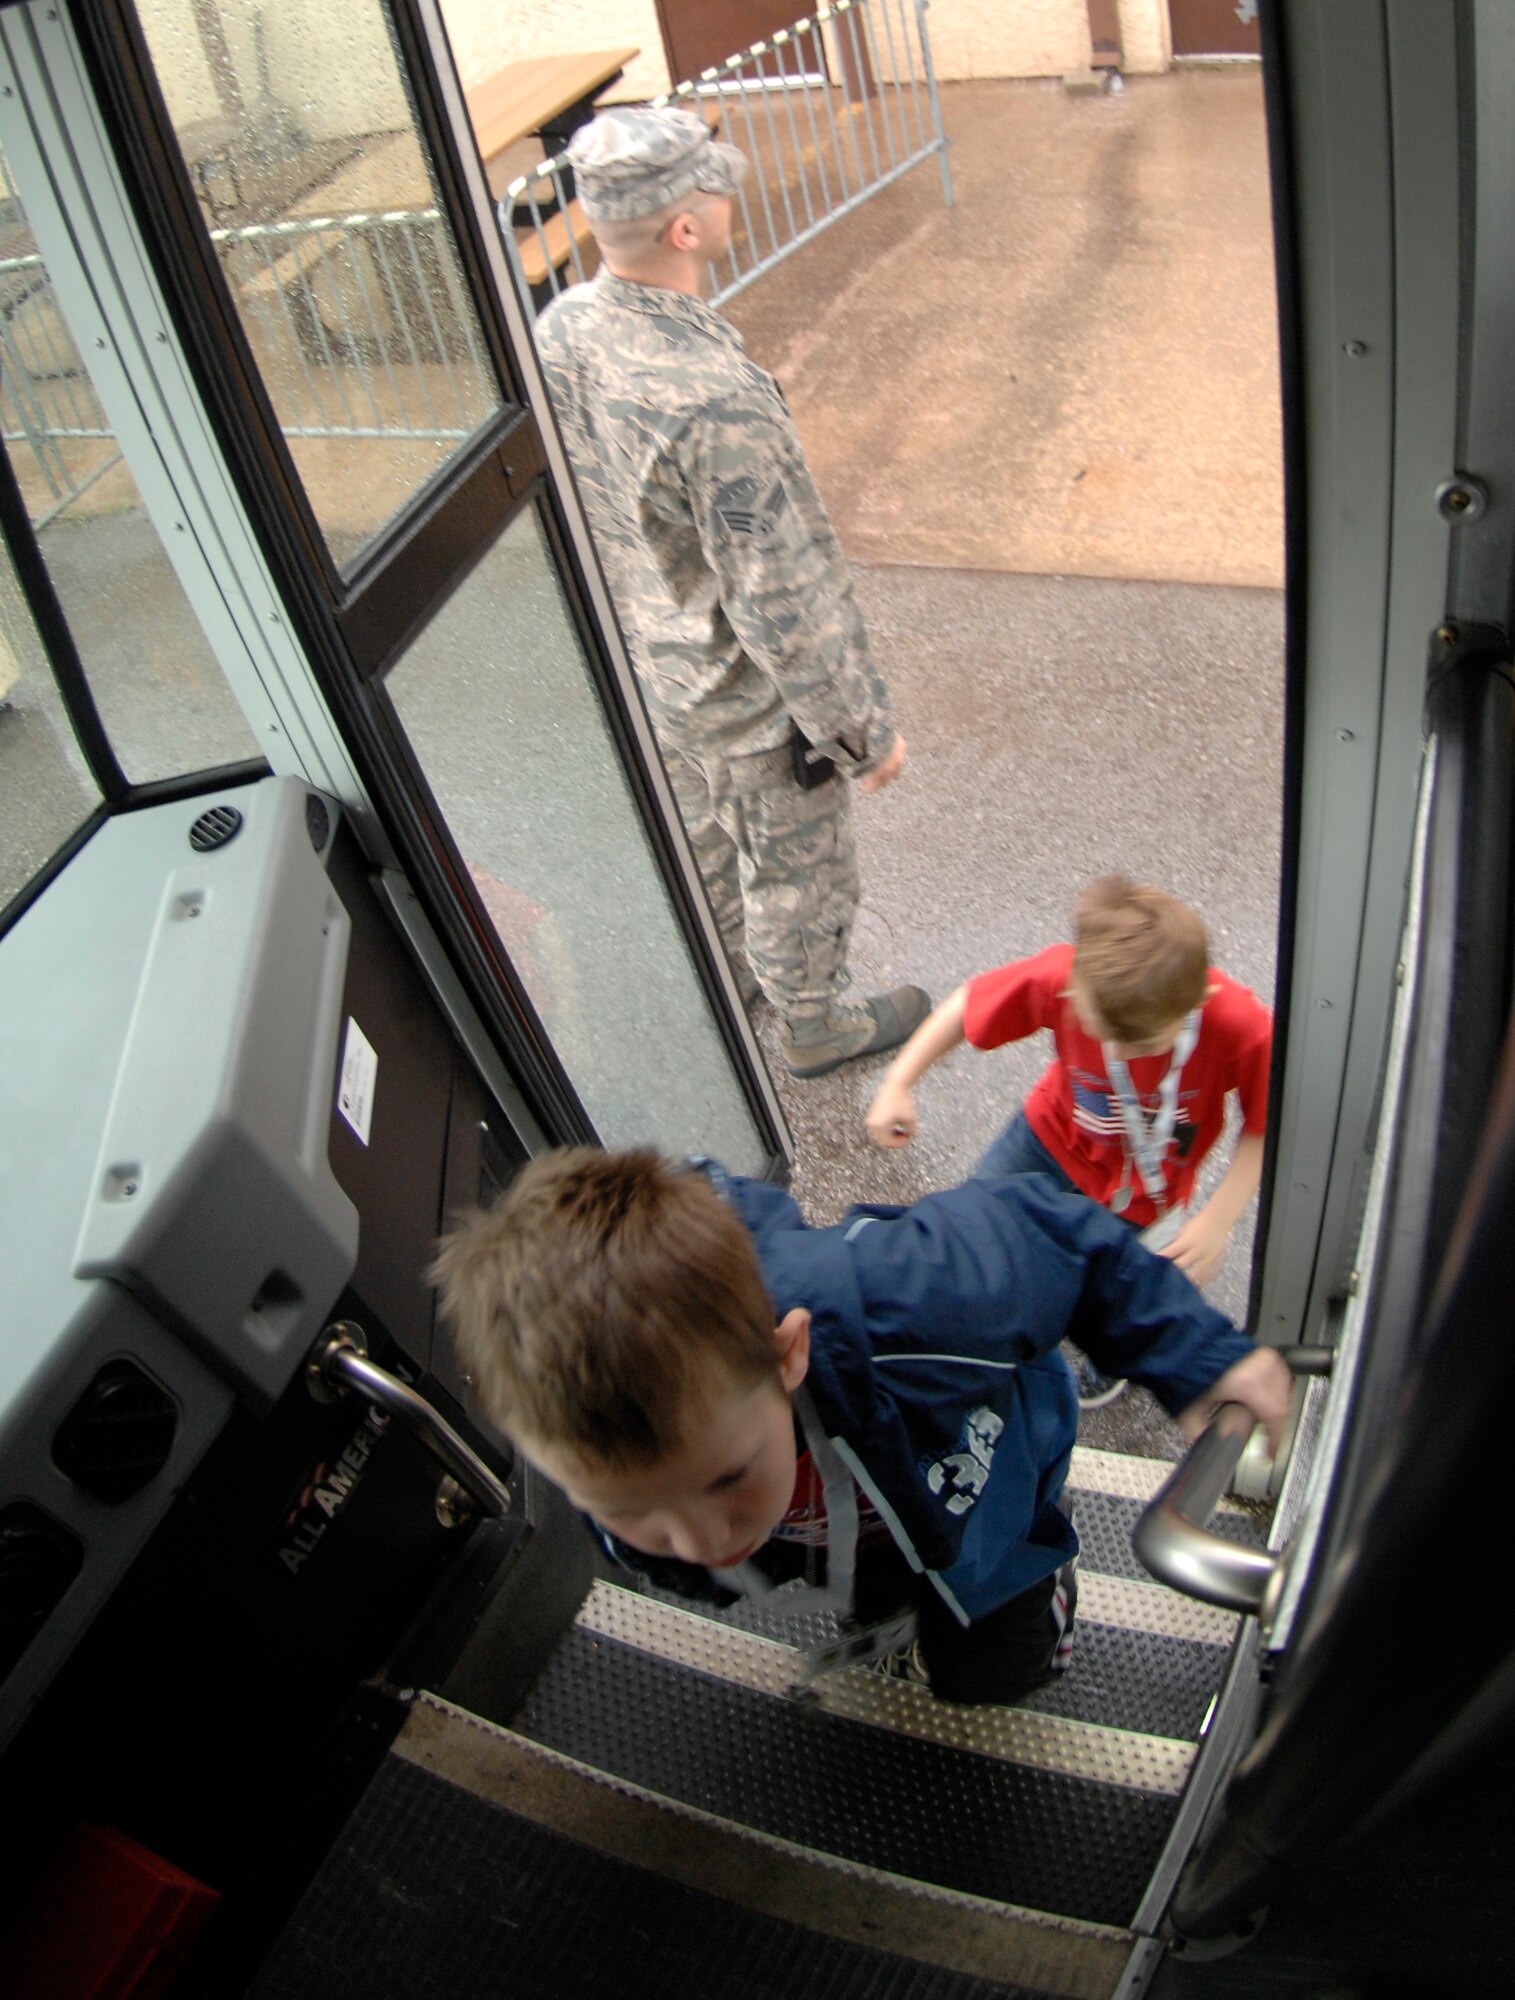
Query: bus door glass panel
{"x":497,"y":702}
{"x":160,"y":693}
{"x":302,"y":146}
{"x":46,"y":788}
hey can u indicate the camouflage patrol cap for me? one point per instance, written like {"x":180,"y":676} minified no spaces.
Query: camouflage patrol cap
{"x":630,"y":162}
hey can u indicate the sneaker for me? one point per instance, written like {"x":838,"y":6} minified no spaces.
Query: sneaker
{"x":882,"y":1022}
{"x":1064,"y":1609}
{"x":908,"y":1664}
{"x":1094,"y":1389}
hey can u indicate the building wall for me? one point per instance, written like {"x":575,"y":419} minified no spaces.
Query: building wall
{"x":1146,"y":37}
{"x":969,"y":38}
{"x":301,"y":39}
{"x":486,"y":33}
{"x":330,"y":79}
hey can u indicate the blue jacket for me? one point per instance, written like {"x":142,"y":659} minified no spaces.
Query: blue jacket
{"x":934,"y":1361}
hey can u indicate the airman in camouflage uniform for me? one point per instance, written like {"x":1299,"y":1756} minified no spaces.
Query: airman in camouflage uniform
{"x":731,"y":588}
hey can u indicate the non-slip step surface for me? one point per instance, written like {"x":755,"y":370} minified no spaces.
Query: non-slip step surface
{"x":1105,"y":1520}
{"x":1124,"y":1676}
{"x":1135,"y":1680}
{"x":1034,"y":1838}
{"x":432,"y":1894}
{"x":764,"y":1665}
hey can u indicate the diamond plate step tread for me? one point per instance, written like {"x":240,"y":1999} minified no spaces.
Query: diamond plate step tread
{"x":993,"y":1941}
{"x":431,"y":1890}
{"x":1128,"y":1679}
{"x":983,"y":1826}
{"x":1145,"y":1658}
{"x":1105,"y":1520}
{"x":1124,"y":1675}
{"x":1075,"y":1746}
{"x":1095,"y":1471}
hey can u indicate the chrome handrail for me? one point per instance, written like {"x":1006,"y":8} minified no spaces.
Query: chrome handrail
{"x":1172,"y":1540}
{"x":339,"y":1363}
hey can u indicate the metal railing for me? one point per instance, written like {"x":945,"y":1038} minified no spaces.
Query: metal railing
{"x":47,"y":402}
{"x":357,"y":320}
{"x":359,"y":323}
{"x":828,"y":111}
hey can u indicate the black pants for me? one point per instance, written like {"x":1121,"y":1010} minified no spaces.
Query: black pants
{"x":998,"y":1658}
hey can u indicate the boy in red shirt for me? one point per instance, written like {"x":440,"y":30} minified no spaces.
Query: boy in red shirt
{"x":1149,"y":1036}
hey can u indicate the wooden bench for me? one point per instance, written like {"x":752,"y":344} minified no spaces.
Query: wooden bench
{"x":549,"y":246}
{"x":545,"y":97}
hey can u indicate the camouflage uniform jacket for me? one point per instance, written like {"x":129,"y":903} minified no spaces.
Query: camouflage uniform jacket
{"x":730,"y":584}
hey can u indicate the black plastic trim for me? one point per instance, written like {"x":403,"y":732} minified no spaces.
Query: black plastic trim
{"x":1382,"y":1681}
{"x":1291,"y":369}
{"x":442,"y":539}
{"x":1427,"y":1441}
{"x":190,"y":785}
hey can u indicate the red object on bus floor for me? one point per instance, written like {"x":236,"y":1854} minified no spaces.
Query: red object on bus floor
{"x":109,"y":1920}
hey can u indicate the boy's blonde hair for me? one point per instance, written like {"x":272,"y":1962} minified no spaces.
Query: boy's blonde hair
{"x":1140,"y":955}
{"x":589,"y":1304}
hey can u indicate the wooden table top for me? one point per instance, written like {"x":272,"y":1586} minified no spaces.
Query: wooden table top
{"x":521,"y":97}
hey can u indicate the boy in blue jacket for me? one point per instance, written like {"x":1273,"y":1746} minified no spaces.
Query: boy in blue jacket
{"x":877,"y":1413}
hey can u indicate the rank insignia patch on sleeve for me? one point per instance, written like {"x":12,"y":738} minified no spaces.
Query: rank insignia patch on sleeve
{"x":756,"y":521}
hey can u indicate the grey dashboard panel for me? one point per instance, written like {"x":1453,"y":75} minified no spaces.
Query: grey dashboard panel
{"x":171,"y":1248}
{"x":211,"y":1199}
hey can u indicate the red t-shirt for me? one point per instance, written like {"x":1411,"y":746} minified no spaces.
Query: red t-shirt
{"x":1073,"y":1110}
{"x":805,"y":1523}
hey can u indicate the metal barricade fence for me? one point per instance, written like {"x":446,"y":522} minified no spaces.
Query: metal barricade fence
{"x":355,"y":320}
{"x":828,"y":111}
{"x":357,"y":317}
{"x":359,"y":321}
{"x":46,"y":401}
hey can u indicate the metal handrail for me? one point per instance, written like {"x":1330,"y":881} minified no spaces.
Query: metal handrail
{"x":1172,"y":1540}
{"x":339,"y":1363}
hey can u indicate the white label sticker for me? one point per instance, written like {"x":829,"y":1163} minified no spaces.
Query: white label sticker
{"x":355,"y":1086}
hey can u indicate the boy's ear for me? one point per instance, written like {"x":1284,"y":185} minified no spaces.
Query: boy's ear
{"x":792,"y":1336}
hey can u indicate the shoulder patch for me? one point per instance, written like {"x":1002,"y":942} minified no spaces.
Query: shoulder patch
{"x":753,"y":517}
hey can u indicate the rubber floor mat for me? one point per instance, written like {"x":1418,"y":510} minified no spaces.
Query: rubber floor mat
{"x":430,"y":1891}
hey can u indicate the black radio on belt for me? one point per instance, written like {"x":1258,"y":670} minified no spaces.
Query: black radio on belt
{"x":811,"y":766}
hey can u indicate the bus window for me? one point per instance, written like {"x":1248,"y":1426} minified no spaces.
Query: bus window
{"x":532,"y":796}
{"x":301,"y":145}
{"x":46,"y":789}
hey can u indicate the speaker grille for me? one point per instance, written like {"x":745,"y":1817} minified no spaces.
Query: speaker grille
{"x":118,"y":1435}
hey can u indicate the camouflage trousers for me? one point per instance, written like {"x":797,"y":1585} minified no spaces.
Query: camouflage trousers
{"x":780,"y":867}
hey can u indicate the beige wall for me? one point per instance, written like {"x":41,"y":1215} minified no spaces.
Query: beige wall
{"x":333,"y":72}
{"x":973,"y":38}
{"x":1146,"y":37}
{"x":356,"y":88}
{"x":486,"y":33}
{"x":969,"y":38}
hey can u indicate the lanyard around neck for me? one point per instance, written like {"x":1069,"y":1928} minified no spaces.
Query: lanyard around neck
{"x":1147,"y":1140}
{"x":840,"y":1492}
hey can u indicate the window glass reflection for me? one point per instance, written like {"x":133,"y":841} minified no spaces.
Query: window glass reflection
{"x":302,"y":149}
{"x":498,"y":704}
{"x":45,"y":787}
{"x":156,"y":682}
